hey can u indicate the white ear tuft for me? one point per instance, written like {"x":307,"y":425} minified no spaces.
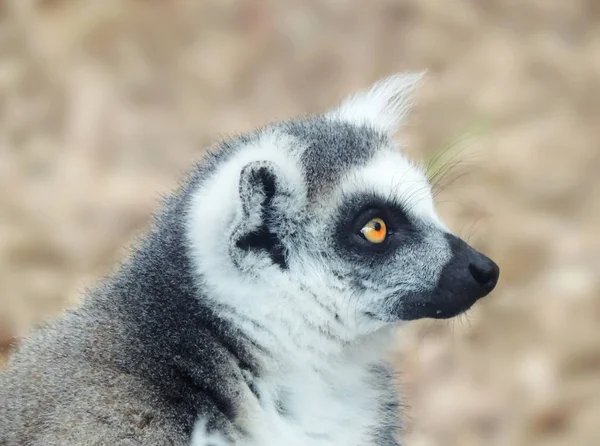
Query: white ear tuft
{"x":384,"y":105}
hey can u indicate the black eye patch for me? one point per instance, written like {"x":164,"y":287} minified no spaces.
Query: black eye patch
{"x":357,"y":211}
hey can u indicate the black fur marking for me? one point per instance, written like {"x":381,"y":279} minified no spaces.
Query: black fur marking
{"x":254,"y":389}
{"x":264,"y":238}
{"x":219,"y":399}
{"x":256,"y":325}
{"x":321,"y":329}
{"x":281,"y":403}
{"x":328,"y":308}
{"x":390,"y":408}
{"x":356,"y":212}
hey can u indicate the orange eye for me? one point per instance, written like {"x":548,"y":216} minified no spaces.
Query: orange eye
{"x":375,"y":230}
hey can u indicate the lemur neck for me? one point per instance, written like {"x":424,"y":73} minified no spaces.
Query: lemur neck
{"x":286,"y":340}
{"x":284,"y":337}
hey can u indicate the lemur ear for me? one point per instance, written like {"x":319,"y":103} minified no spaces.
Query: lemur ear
{"x":260,"y":187}
{"x":384,"y":105}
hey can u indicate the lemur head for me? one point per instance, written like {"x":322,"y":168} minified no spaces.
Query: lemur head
{"x":322,"y":222}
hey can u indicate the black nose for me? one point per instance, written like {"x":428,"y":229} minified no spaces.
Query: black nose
{"x":485,"y":272}
{"x":467,"y":276}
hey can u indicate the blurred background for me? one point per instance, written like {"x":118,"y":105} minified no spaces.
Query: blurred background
{"x":104,"y":104}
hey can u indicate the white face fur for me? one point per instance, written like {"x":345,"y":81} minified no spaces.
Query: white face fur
{"x":276,"y":230}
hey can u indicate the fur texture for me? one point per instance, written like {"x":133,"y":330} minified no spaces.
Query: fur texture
{"x":255,"y":313}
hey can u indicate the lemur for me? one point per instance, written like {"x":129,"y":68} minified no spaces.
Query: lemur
{"x":259,"y":308}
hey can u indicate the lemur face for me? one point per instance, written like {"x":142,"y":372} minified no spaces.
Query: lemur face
{"x":324,"y":218}
{"x":374,"y":231}
{"x":392,"y":248}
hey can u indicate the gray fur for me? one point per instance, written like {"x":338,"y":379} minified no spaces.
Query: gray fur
{"x":253,"y":313}
{"x":332,"y":147}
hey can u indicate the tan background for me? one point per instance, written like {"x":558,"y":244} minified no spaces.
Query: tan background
{"x":104,"y":103}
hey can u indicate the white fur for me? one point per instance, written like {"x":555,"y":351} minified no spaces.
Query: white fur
{"x":390,"y":174}
{"x":335,"y":406}
{"x":384,"y":105}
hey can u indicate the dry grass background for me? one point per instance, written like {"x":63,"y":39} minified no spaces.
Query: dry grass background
{"x":103,"y":104}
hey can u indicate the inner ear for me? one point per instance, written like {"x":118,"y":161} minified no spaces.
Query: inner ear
{"x":260,"y":184}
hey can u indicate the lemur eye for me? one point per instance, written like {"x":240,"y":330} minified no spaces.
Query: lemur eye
{"x":375,"y":230}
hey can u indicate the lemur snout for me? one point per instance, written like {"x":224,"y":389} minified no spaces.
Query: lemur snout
{"x":467,"y":277}
{"x":485,"y":272}
{"x":470,"y":272}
